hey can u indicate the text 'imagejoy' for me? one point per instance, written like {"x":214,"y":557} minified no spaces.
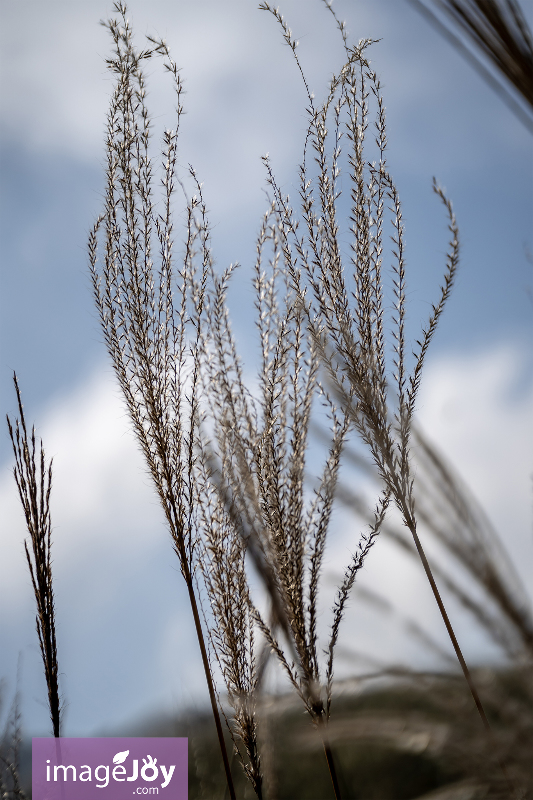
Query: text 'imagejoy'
{"x":115,"y":769}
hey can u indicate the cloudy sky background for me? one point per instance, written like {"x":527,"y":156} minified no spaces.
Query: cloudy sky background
{"x":123,"y":618}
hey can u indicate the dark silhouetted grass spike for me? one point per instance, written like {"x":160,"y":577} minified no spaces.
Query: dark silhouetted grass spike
{"x":34,"y":482}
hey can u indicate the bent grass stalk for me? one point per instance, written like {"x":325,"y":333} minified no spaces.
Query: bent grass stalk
{"x":493,"y":36}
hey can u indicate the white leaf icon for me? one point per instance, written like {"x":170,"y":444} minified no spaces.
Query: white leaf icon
{"x":120,"y":757}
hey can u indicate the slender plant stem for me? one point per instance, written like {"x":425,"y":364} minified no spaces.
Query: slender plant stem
{"x":448,"y":625}
{"x":451,"y":633}
{"x":332,"y":770}
{"x":207,"y":670}
{"x":329,"y":758}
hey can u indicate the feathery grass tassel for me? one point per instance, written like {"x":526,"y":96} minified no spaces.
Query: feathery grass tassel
{"x":257,"y":465}
{"x":346,"y":313}
{"x":145,"y":304}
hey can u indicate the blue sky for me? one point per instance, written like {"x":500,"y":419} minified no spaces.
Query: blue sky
{"x":120,"y":603}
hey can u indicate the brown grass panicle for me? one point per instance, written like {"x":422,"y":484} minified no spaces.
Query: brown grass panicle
{"x":345,"y":296}
{"x":33,"y":477}
{"x":220,"y":560}
{"x":257,"y":460}
{"x":149,"y":318}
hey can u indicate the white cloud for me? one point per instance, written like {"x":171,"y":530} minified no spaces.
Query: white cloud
{"x":117,"y":584}
{"x":477,"y":408}
{"x":244,"y":93}
{"x":96,"y":464}
{"x":57,"y":96}
{"x":123,"y":616}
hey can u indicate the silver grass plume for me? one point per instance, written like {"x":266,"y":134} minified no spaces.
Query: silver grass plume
{"x":345,"y":297}
{"x":220,"y":558}
{"x":149,"y":318}
{"x":258,"y":459}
